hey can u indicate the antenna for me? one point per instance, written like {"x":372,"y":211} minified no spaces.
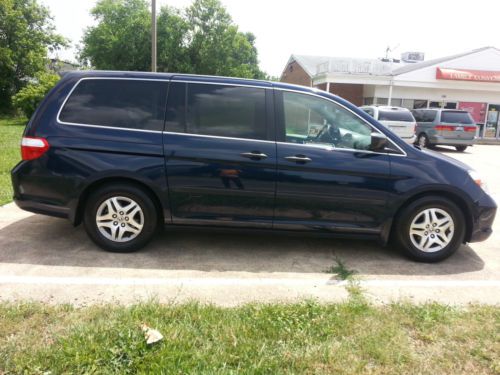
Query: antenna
{"x":390,"y":49}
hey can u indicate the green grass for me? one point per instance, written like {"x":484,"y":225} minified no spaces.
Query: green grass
{"x":11,"y":130}
{"x":348,"y":338}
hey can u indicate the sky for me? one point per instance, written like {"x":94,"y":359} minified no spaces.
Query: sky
{"x":341,"y":28}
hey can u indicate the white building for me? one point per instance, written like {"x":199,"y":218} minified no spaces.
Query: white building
{"x":469,"y":80}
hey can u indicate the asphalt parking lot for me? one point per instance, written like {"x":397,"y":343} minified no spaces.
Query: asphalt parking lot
{"x":46,"y":259}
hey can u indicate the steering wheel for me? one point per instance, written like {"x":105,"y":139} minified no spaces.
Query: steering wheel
{"x":329,"y":134}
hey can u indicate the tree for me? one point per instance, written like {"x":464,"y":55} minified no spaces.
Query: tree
{"x":121,"y":40}
{"x":217,"y":47}
{"x":202,"y":40}
{"x":27,"y":34}
{"x":30,"y":96}
{"x":173,"y":43}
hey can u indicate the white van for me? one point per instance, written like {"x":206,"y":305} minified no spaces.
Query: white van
{"x":399,"y":120}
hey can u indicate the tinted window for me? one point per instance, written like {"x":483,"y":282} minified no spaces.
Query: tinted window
{"x":418,"y":115}
{"x":395,"y":115}
{"x":133,"y":104}
{"x":456,"y":117}
{"x":424,"y":115}
{"x":175,"y":119}
{"x":228,"y":111}
{"x":312,"y":120}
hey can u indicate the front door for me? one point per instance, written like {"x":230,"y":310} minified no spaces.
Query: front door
{"x":220,"y":154}
{"x":327,"y":177}
{"x":492,"y":121}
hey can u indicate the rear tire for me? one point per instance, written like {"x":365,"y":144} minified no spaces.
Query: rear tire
{"x":120,"y":218}
{"x":461,"y":148}
{"x":429,"y":229}
{"x":423,"y":140}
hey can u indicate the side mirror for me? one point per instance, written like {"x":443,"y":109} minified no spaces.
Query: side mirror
{"x":378,"y":142}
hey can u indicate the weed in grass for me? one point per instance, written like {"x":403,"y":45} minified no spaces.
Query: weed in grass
{"x":340,"y":269}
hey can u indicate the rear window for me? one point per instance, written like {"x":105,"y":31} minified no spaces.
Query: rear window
{"x":394,"y":115}
{"x":120,"y":103}
{"x":456,"y":117}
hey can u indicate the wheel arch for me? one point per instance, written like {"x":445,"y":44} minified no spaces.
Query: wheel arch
{"x":447,"y":194}
{"x":80,"y":207}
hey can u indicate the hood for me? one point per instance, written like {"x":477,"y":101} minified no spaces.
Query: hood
{"x":446,"y":158}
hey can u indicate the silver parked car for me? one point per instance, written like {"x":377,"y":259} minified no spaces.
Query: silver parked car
{"x":436,"y":126}
{"x":399,"y":120}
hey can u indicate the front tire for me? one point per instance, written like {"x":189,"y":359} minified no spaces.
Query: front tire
{"x":461,"y":148}
{"x":429,"y":229}
{"x":120,"y":218}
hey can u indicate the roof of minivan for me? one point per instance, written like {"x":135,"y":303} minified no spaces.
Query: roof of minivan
{"x":185,"y":77}
{"x":440,"y":109}
{"x":386,"y":107}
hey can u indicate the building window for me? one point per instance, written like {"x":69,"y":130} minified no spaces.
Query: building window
{"x":368,"y":101}
{"x":407,"y":103}
{"x":417,"y":103}
{"x":396,"y":102}
{"x":381,"y":101}
{"x":446,"y":105}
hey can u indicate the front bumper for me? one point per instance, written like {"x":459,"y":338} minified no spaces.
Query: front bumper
{"x":483,"y":219}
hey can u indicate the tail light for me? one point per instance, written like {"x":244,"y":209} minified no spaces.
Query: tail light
{"x":445,"y":128}
{"x":471,"y":129}
{"x":33,"y":148}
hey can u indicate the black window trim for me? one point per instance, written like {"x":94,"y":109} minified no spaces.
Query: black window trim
{"x":104,"y":126}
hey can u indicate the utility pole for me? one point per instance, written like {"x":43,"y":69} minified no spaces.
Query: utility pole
{"x":153,"y":35}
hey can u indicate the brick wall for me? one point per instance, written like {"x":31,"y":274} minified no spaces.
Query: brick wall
{"x":348,"y":91}
{"x":296,"y":75}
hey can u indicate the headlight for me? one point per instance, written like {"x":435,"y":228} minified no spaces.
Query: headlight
{"x":476,"y":177}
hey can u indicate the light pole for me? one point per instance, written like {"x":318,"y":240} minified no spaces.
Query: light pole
{"x":153,"y":35}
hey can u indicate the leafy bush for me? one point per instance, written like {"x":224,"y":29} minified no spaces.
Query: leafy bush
{"x":30,"y":96}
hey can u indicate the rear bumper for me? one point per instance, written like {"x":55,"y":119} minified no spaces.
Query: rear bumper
{"x":410,"y":140}
{"x":43,"y":208}
{"x":438,"y":140}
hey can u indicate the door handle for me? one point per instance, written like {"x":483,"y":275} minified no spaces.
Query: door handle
{"x":254,"y":155}
{"x":300,"y":159}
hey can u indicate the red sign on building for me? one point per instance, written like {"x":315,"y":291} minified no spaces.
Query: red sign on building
{"x":468,"y":75}
{"x":477,"y":110}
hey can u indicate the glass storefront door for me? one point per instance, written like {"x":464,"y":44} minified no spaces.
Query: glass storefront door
{"x":492,"y":121}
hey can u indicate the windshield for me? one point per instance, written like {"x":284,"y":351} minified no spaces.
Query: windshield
{"x":395,"y":115}
{"x":456,"y":117}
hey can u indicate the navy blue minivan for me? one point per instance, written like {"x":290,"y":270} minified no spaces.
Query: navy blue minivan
{"x":126,"y":152}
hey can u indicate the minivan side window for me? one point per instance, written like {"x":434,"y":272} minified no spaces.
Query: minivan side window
{"x":120,"y":103}
{"x":428,"y":116}
{"x":218,"y":110}
{"x":369,"y":111}
{"x":418,"y":115}
{"x":312,"y":120}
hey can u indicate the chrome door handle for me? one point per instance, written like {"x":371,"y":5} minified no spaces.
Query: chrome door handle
{"x":254,"y":155}
{"x":301,"y":159}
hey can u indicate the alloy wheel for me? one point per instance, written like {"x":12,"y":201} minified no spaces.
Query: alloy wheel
{"x":432,"y":230}
{"x":119,"y":219}
{"x":422,"y":141}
